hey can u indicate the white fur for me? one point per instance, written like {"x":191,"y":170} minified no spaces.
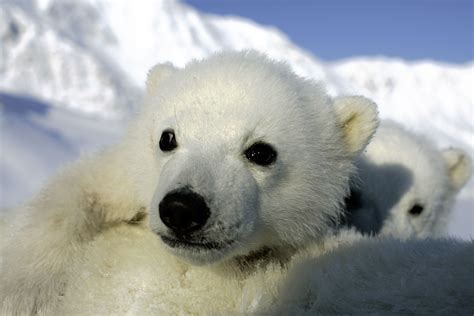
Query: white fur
{"x":400,"y":169}
{"x":94,"y":214}
{"x":127,"y":271}
{"x":381,"y":276}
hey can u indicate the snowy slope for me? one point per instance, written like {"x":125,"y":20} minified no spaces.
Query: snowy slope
{"x":81,"y":62}
{"x":93,"y":54}
{"x":37,"y":138}
{"x":38,"y":61}
{"x":427,"y":96}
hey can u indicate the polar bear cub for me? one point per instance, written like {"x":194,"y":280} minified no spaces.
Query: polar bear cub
{"x":233,"y":162}
{"x":405,"y":185}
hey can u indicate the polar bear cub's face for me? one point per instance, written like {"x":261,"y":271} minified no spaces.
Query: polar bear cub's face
{"x":409,"y":183}
{"x":240,"y":155}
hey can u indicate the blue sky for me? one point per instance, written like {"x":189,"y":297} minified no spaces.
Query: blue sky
{"x":412,"y":29}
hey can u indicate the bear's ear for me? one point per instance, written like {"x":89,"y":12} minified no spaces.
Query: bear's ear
{"x":358,"y":119}
{"x":157,"y":74}
{"x":459,"y":167}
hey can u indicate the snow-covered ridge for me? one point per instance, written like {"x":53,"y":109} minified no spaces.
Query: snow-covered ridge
{"x":429,"y":97}
{"x":38,"y":61}
{"x":91,"y":57}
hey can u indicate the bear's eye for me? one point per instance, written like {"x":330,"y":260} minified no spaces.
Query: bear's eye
{"x":261,"y":154}
{"x":416,"y":210}
{"x":168,"y":140}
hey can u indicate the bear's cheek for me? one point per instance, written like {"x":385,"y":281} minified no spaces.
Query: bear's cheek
{"x":236,"y":212}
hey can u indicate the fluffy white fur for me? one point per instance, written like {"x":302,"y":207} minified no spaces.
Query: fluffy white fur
{"x":401,"y":170}
{"x":380,"y":275}
{"x":95,"y":213}
{"x":128,"y":271}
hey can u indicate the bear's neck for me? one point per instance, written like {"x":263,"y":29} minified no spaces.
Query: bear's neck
{"x":244,"y":265}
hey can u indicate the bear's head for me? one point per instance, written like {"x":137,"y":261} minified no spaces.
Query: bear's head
{"x":409,"y":183}
{"x":235,"y":154}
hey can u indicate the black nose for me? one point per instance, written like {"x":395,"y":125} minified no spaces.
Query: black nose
{"x":184,"y":211}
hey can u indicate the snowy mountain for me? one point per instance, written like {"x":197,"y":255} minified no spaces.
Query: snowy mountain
{"x":38,"y":61}
{"x":429,"y":97}
{"x":94,"y":54}
{"x":66,"y":66}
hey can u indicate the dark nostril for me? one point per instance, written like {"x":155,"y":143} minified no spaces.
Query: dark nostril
{"x":184,"y":211}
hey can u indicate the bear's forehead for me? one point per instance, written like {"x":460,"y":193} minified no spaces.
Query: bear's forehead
{"x":419,"y":156}
{"x":236,"y":83}
{"x":229,"y":127}
{"x":239,"y":97}
{"x":222,"y":94}
{"x":224,"y":101}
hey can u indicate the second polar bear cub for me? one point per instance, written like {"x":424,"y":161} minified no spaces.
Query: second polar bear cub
{"x":405,"y":186}
{"x":233,"y":159}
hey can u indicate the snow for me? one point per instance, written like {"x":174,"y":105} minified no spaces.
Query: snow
{"x":39,"y":60}
{"x":36,"y":139}
{"x":72,"y":72}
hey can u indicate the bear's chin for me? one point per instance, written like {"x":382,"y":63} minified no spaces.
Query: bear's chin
{"x":199,"y":254}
